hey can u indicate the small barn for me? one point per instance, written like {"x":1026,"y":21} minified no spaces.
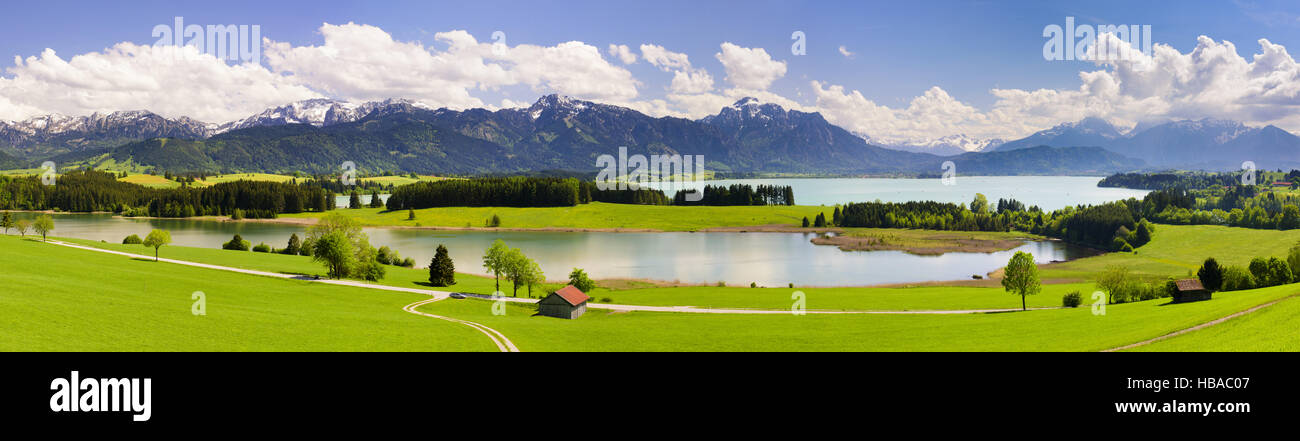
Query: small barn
{"x":566,"y":303}
{"x":1190,"y":290}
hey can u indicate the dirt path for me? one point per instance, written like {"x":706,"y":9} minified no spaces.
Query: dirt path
{"x":504,"y":344}
{"x":1200,"y":326}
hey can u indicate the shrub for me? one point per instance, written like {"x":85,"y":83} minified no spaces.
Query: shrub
{"x":1072,"y":300}
{"x":1279,"y":273}
{"x":262,"y":248}
{"x":1118,"y":244}
{"x":237,"y":244}
{"x":1259,"y":270}
{"x":578,"y":278}
{"x":1236,"y":278}
{"x":132,"y":240}
{"x":407,"y":263}
{"x":385,"y":255}
{"x":753,"y":285}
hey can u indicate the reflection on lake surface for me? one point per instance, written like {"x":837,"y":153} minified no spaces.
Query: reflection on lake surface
{"x":1047,"y":192}
{"x":769,"y":259}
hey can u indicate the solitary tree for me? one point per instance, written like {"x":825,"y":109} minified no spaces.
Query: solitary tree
{"x":44,"y":225}
{"x":354,"y":201}
{"x":410,"y":214}
{"x":295,"y":245}
{"x":1021,"y":277}
{"x":335,"y":251}
{"x":22,"y":225}
{"x":442,"y":271}
{"x":494,"y":260}
{"x":805,"y":221}
{"x":7,"y":221}
{"x":156,"y":239}
{"x":1211,"y":275}
{"x":578,"y":278}
{"x":375,"y":201}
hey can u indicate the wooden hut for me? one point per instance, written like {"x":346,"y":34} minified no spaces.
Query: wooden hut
{"x":566,"y":303}
{"x":1190,"y":290}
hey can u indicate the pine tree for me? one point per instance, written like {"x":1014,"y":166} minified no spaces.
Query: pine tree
{"x":442,"y":272}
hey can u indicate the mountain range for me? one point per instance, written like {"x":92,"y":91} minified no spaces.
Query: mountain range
{"x":562,"y":133}
{"x":1207,"y":144}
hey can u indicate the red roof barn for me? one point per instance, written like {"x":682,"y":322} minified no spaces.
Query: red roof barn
{"x":566,"y":303}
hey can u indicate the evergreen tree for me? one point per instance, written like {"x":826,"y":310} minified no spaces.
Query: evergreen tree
{"x":1211,"y":275}
{"x":442,"y":271}
{"x":295,"y":245}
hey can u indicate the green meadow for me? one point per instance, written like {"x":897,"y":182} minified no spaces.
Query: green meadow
{"x":63,"y":299}
{"x":595,"y":215}
{"x":121,"y":303}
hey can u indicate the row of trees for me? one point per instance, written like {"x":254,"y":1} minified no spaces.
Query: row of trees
{"x":739,"y":194}
{"x":487,"y":192}
{"x":42,"y":225}
{"x":1260,"y":273}
{"x":91,"y":190}
{"x":511,"y":263}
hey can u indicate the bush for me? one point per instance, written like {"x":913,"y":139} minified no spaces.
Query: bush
{"x":407,"y":263}
{"x":753,"y":285}
{"x":578,"y":278}
{"x":1072,"y":300}
{"x":262,"y":248}
{"x":132,"y":240}
{"x":237,"y":244}
{"x":1236,"y":278}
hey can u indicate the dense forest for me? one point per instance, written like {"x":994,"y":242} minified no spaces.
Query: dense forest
{"x":739,"y":194}
{"x":562,"y":192}
{"x":88,"y":191}
{"x":1159,"y":181}
{"x":1117,"y":226}
{"x":487,"y":192}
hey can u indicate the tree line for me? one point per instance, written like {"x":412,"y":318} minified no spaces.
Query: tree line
{"x":738,"y":194}
{"x":91,"y":190}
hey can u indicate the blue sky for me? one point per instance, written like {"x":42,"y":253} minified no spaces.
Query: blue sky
{"x":901,"y":49}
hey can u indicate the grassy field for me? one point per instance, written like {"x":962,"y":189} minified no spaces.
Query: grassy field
{"x":1269,"y":329}
{"x":1043,"y":330}
{"x":145,"y":306}
{"x":217,"y":179}
{"x":152,"y":181}
{"x":117,"y":303}
{"x":1178,"y":250}
{"x":595,"y":215}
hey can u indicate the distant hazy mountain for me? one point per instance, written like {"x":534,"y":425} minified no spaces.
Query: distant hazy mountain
{"x":945,"y":146}
{"x":560,"y":133}
{"x":1086,"y":132}
{"x":1204,"y":144}
{"x":319,"y":113}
